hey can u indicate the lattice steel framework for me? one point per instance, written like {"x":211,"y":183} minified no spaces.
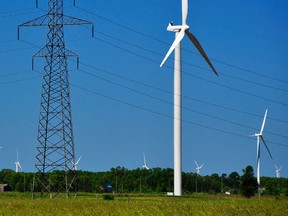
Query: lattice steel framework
{"x":55,"y":149}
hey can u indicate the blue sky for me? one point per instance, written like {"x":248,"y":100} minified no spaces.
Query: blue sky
{"x":122,"y":101}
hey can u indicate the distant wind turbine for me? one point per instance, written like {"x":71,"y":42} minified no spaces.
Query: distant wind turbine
{"x":74,"y":164}
{"x":17,"y":163}
{"x":277,"y":171}
{"x":145,"y":165}
{"x":180,"y":31}
{"x":198,"y":168}
{"x":259,"y":139}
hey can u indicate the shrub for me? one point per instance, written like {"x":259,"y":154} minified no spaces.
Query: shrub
{"x":108,"y":197}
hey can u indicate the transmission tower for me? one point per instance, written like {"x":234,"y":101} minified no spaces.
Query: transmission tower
{"x":55,"y":148}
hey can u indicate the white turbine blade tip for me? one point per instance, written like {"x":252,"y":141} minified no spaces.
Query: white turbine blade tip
{"x":264,"y":120}
{"x":167,"y":55}
{"x":78,"y":160}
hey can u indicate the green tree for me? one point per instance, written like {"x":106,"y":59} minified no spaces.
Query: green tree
{"x":248,"y":183}
{"x":233,"y":182}
{"x":272,"y":187}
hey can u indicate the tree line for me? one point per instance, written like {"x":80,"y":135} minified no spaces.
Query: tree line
{"x":120,"y":180}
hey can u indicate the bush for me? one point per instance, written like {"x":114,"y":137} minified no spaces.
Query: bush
{"x":108,"y":197}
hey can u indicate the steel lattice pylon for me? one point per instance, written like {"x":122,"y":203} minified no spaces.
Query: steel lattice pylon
{"x":55,"y":149}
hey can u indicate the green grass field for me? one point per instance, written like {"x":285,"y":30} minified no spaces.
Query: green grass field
{"x":22,"y":204}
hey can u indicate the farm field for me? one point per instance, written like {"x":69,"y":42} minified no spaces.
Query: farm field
{"x":143,"y":205}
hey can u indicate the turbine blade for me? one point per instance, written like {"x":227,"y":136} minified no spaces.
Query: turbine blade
{"x":196,"y":163}
{"x":184,"y":11}
{"x":266,"y":147}
{"x":173,"y":46}
{"x":78,"y":160}
{"x":264,"y":120}
{"x":200,"y":49}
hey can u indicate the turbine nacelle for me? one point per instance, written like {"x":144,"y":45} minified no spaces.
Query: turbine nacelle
{"x":176,"y":28}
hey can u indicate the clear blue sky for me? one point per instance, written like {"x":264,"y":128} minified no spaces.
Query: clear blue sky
{"x":124,"y":107}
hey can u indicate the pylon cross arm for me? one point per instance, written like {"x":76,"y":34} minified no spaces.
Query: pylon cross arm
{"x":40,"y":21}
{"x":44,"y":21}
{"x":44,"y":52}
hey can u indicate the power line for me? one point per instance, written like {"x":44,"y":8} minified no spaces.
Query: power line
{"x":184,"y":73}
{"x":17,"y":13}
{"x":171,"y":93}
{"x":154,"y":53}
{"x":19,"y":80}
{"x":159,"y":99}
{"x":15,"y":50}
{"x":221,"y":73}
{"x":203,"y":79}
{"x":158,"y":40}
{"x":15,"y":73}
{"x":198,"y":77}
{"x":156,"y":112}
{"x":170,"y":103}
{"x":168,"y":116}
{"x":237,"y":90}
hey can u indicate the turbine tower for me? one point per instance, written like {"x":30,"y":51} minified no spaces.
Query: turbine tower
{"x":17,"y":164}
{"x":277,"y":171}
{"x":55,"y":148}
{"x":180,"y":31}
{"x":259,"y":139}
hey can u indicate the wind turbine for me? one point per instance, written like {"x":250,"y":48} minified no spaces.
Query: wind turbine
{"x":259,"y":139}
{"x":17,"y":163}
{"x":277,"y":171}
{"x":145,"y":165}
{"x":198,"y":168}
{"x":74,"y":164}
{"x":180,"y":31}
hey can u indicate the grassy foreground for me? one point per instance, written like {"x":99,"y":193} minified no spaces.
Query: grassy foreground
{"x":143,"y":205}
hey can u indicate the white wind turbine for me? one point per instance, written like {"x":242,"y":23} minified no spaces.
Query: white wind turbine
{"x":198,"y":168}
{"x":74,"y":164}
{"x":17,"y":163}
{"x":277,"y":171}
{"x":259,"y":139}
{"x":145,"y":165}
{"x":180,"y":31}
